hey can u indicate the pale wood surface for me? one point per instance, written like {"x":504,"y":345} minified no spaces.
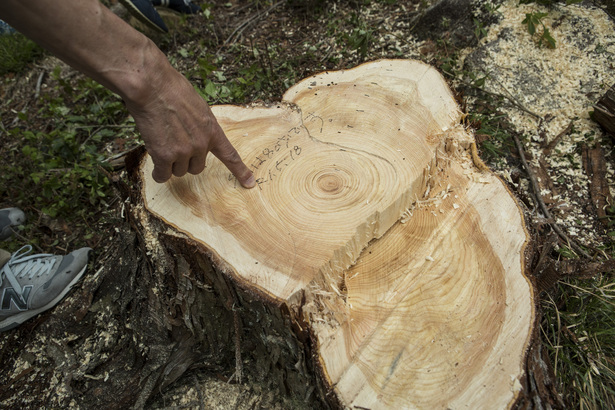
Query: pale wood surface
{"x":432,"y":313}
{"x":332,"y":176}
{"x":436,"y":313}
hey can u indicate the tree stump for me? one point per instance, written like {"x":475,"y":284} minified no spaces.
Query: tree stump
{"x":375,"y":265}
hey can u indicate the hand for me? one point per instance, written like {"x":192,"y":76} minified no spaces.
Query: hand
{"x":179,"y":131}
{"x":177,"y":125}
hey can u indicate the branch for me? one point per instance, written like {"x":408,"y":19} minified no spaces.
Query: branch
{"x":508,"y":97}
{"x":543,"y":207}
{"x":552,"y":144}
{"x":247,"y":23}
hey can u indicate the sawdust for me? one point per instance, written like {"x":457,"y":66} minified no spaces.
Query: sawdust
{"x":559,"y":85}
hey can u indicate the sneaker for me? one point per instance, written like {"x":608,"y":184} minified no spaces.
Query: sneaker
{"x":30,"y":285}
{"x":10,"y":217}
{"x":145,"y":12}
{"x":181,"y":6}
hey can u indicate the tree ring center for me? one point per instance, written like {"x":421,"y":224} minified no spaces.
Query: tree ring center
{"x":329,"y":183}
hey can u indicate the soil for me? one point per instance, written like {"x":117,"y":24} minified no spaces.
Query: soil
{"x":284,"y":42}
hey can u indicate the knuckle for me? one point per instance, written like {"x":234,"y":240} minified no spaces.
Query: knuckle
{"x":233,"y":157}
{"x":196,"y":167}
{"x":163,"y":157}
{"x":228,"y":153}
{"x":160,"y":176}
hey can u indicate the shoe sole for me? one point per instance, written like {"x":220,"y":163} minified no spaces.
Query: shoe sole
{"x":142,"y":18}
{"x":16,"y":320}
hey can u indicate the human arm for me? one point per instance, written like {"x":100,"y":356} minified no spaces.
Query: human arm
{"x":176,"y":124}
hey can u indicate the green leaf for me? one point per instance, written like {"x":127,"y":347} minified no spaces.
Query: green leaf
{"x":211,"y":90}
{"x":531,"y":28}
{"x":480,"y":82}
{"x":546,"y":35}
{"x":206,"y":67}
{"x":36,"y":177}
{"x":75,"y":118}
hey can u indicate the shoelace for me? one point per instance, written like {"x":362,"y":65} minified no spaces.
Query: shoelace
{"x":21,"y":265}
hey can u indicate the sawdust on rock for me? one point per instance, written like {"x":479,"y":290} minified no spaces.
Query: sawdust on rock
{"x":559,"y":86}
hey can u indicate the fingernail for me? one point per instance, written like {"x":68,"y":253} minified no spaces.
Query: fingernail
{"x":250,"y":182}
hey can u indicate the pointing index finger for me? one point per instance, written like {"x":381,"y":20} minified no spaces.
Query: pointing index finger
{"x":229,"y":156}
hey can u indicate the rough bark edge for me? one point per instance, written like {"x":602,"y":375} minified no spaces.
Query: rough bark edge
{"x":604,"y":111}
{"x":245,"y":295}
{"x":595,"y":167}
{"x":539,"y":386}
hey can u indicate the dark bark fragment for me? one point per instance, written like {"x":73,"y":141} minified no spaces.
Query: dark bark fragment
{"x":604,"y":111}
{"x":594,"y":164}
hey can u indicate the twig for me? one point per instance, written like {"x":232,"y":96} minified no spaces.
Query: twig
{"x":515,"y":102}
{"x":39,"y":83}
{"x":23,"y":238}
{"x":507,"y":97}
{"x":247,"y":23}
{"x":199,"y":394}
{"x":552,"y":144}
{"x":583,"y":269}
{"x":122,"y":154}
{"x":543,"y":207}
{"x":79,"y":127}
{"x":238,"y":361}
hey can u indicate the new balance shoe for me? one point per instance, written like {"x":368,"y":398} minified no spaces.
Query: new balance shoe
{"x":181,"y":6}
{"x":145,"y":12}
{"x":30,"y":285}
{"x":10,"y":217}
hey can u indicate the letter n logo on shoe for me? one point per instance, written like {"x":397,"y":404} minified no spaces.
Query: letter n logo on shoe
{"x":20,"y":301}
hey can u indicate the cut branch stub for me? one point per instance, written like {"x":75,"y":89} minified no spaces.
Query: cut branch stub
{"x":435,"y":311}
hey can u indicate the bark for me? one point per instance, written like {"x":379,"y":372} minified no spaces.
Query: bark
{"x":594,"y":164}
{"x":604,"y":111}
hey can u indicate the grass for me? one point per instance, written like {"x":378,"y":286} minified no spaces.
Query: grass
{"x":491,"y":134}
{"x":579,"y":329}
{"x":17,"y":52}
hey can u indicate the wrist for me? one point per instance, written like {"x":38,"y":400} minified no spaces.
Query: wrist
{"x":144,"y":76}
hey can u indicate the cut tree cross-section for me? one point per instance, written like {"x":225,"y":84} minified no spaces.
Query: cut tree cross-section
{"x":372,"y":231}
